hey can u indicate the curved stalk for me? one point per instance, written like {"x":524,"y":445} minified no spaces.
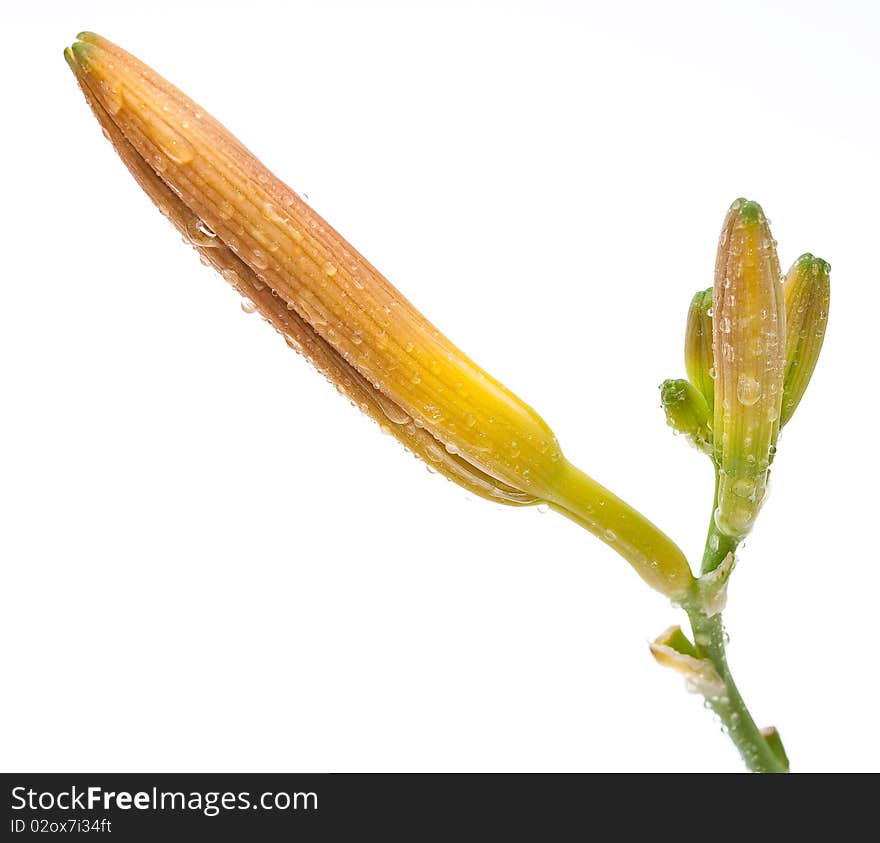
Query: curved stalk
{"x":652,"y":554}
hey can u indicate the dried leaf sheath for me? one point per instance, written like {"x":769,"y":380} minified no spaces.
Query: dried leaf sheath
{"x":297,"y":333}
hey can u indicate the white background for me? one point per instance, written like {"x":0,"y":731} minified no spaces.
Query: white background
{"x":211,"y":562}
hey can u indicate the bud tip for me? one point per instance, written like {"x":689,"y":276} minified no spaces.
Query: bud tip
{"x":810,"y":262}
{"x":748,"y":209}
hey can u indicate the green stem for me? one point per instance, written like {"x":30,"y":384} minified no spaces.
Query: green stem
{"x":756,"y":752}
{"x":758,"y":755}
{"x":718,"y":545}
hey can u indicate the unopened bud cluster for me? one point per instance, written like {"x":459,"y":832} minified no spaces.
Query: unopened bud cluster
{"x":751,"y":345}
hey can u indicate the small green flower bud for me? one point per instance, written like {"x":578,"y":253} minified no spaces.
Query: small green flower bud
{"x":686,"y":411}
{"x":749,"y":335}
{"x":807,"y":291}
{"x":698,"y":359}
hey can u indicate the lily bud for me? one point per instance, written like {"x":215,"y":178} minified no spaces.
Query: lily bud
{"x":807,"y":296}
{"x":318,"y":276}
{"x":699,"y":361}
{"x":686,"y":411}
{"x":749,"y":334}
{"x":331,"y":304}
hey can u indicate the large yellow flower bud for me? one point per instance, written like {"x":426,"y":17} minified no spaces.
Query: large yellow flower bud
{"x":330,"y":303}
{"x":748,"y":315}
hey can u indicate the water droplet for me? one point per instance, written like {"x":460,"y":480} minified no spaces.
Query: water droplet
{"x":392,"y":411}
{"x":198,"y":234}
{"x":409,"y":347}
{"x":433,"y":452}
{"x":713,"y":372}
{"x":270,"y":212}
{"x":248,"y":306}
{"x":205,"y":229}
{"x":313,"y":313}
{"x":744,"y":487}
{"x":173,"y":144}
{"x":610,"y":536}
{"x":112,"y":98}
{"x":748,"y":390}
{"x":741,"y":517}
{"x":470,"y":420}
{"x":329,"y":269}
{"x":543,"y":508}
{"x":259,"y":259}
